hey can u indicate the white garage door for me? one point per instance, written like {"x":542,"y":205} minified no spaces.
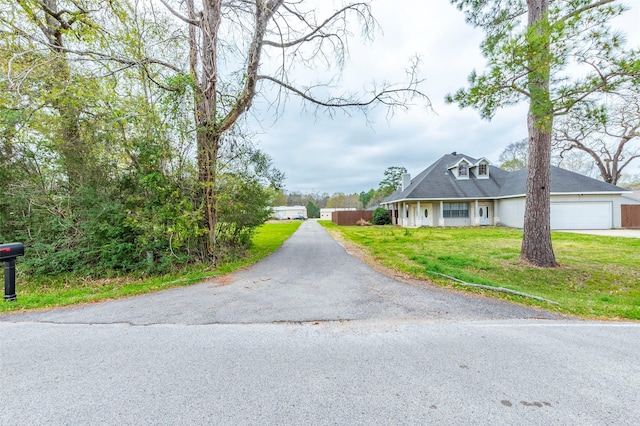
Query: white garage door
{"x":585,"y":215}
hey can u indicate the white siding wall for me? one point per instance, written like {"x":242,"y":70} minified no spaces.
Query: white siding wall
{"x":510,"y":212}
{"x":457,"y":221}
{"x":435,"y":213}
{"x":325,"y":214}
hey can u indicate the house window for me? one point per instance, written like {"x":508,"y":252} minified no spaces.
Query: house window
{"x":463,"y":169}
{"x":482,"y":170}
{"x":426,"y":213}
{"x":455,"y":209}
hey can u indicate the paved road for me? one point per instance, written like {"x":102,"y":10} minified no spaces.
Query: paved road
{"x":313,"y":336}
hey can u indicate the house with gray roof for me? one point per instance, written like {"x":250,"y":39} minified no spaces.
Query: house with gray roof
{"x":459,"y":190}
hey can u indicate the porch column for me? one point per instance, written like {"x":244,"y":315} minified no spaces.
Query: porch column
{"x":495,"y":219}
{"x":403,"y":214}
{"x":475,"y":214}
{"x":441,"y":220}
{"x":419,"y":216}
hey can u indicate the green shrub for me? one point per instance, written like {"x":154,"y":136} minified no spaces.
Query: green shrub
{"x":381,"y":217}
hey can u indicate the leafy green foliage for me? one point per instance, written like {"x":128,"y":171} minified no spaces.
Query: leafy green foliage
{"x":575,"y":32}
{"x":243,"y":205}
{"x":312,"y":210}
{"x":97,"y":159}
{"x":381,"y":217}
{"x":392,"y":180}
{"x":365,"y":197}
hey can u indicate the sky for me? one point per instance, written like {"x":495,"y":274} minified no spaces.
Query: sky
{"x":322,"y":153}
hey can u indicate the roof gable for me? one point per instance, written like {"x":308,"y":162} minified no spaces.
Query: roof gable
{"x":462,"y":160}
{"x":482,"y":160}
{"x":461,"y":168}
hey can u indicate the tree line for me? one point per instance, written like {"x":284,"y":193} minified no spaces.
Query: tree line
{"x":392,"y":178}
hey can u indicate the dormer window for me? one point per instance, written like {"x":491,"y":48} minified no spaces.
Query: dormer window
{"x":462,"y":169}
{"x":481,"y":169}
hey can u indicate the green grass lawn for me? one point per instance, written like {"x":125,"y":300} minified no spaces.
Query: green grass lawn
{"x":71,"y":289}
{"x":598,"y":277}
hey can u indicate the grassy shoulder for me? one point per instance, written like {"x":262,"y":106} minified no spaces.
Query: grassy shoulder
{"x":70,"y":290}
{"x":598,"y":276}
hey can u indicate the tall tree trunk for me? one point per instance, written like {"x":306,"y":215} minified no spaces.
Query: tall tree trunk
{"x":199,"y":118}
{"x":211,"y":121}
{"x":209,"y":144}
{"x":70,"y":144}
{"x":208,"y":133}
{"x":536,"y":242}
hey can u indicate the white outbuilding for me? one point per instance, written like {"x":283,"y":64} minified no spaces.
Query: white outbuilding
{"x":288,"y":212}
{"x":325,"y":214}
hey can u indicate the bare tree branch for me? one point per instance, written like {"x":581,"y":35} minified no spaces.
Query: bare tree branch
{"x":388,"y":96}
{"x":608,"y":134}
{"x":264,"y":13}
{"x":316,"y":30}
{"x":190,"y":20}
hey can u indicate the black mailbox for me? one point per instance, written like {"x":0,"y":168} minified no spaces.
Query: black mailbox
{"x":8,"y":254}
{"x":13,"y":250}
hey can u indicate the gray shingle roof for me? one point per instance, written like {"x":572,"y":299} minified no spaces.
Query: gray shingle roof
{"x":437,"y":182}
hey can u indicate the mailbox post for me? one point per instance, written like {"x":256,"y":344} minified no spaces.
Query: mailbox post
{"x":8,"y":254}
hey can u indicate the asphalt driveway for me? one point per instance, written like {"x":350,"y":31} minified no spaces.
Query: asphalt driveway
{"x":310,"y":278}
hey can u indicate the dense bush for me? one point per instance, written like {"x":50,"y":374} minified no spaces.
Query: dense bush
{"x":102,"y":176}
{"x":144,"y":215}
{"x":381,"y":217}
{"x":243,"y":205}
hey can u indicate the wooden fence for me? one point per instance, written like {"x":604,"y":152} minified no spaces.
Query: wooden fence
{"x":351,"y":217}
{"x":630,"y":215}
